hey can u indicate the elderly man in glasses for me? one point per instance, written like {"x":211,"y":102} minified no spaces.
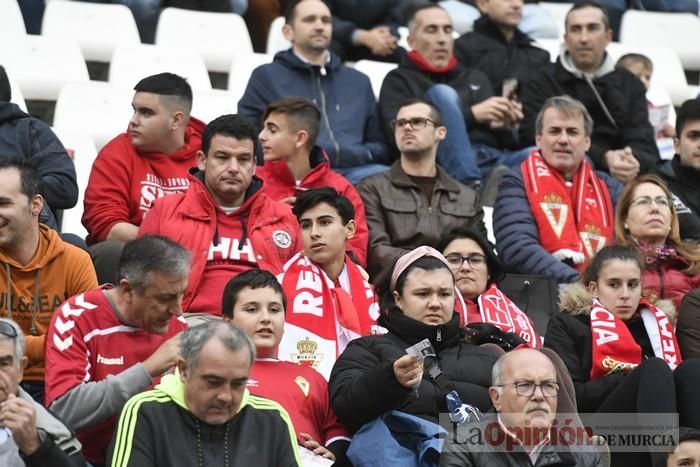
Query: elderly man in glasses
{"x":29,"y":434}
{"x":416,"y":200}
{"x":524,"y":393}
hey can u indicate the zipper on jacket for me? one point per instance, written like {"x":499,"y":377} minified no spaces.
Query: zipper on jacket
{"x":327,"y":120}
{"x":661,"y":281}
{"x":438,"y":338}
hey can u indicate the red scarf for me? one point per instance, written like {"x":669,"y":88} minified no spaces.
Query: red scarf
{"x":321,"y":317}
{"x":495,"y":308}
{"x":614,"y":347}
{"x":425,"y":65}
{"x":568,"y":228}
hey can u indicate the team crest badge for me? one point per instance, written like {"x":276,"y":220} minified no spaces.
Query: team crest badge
{"x":556,"y":212}
{"x":282,"y":239}
{"x":303,"y":385}
{"x":592,"y":240}
{"x":307,"y":355}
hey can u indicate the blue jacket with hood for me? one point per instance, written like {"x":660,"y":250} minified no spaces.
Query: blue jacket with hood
{"x":350,"y":132}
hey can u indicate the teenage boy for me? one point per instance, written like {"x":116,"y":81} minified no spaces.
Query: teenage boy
{"x":255,"y":302}
{"x":331,"y":302}
{"x":294,"y":163}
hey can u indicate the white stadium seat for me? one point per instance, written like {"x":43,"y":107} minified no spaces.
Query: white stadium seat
{"x":276,"y":42}
{"x":207,"y":105}
{"x":241,"y":70}
{"x":11,"y":22}
{"x":376,"y":71}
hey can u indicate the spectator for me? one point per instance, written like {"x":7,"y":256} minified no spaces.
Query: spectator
{"x":150,"y":160}
{"x":682,"y":173}
{"x":463,"y":95}
{"x":366,"y":29}
{"x":255,"y":302}
{"x":31,"y":435}
{"x":524,"y":393}
{"x":331,"y":301}
{"x":499,"y":48}
{"x":238,"y":7}
{"x":536,"y":21}
{"x":40,"y":270}
{"x":25,"y":137}
{"x":555,"y":212}
{"x":418,"y":304}
{"x":294,"y":164}
{"x":350,"y":132}
{"x":622,"y":141}
{"x":477,"y":269}
{"x":659,"y":105}
{"x":224,"y":218}
{"x":108,"y":344}
{"x":646,"y":218}
{"x":204,"y":414}
{"x":634,"y":363}
{"x":413,"y":203}
{"x":685,"y":452}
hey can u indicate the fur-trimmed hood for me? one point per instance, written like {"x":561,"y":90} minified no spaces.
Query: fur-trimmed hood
{"x":575,"y":299}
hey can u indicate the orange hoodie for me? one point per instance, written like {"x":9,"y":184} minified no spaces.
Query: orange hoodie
{"x":30,"y":293}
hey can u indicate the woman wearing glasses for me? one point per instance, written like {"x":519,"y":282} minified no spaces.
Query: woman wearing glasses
{"x":477,"y":269}
{"x":620,"y":349}
{"x":375,"y":375}
{"x":646,"y":219}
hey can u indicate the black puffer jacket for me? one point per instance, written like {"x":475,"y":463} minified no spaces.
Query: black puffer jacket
{"x":683,"y":183}
{"x":363,"y":386}
{"x":486,"y":49}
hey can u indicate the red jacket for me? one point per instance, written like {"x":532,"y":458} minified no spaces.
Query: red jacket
{"x":124,"y":183}
{"x":667,"y":280}
{"x":190,"y":219}
{"x":279,"y":183}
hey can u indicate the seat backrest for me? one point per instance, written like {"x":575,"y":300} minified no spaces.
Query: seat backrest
{"x":536,"y":295}
{"x":276,"y":41}
{"x":218,"y":37}
{"x":376,"y":71}
{"x":240,"y":72}
{"x":97,"y":109}
{"x":558,"y":13}
{"x":132,"y":63}
{"x":11,"y":21}
{"x":41,"y":66}
{"x":98,"y":27}
{"x":83,"y":151}
{"x":677,"y":31}
{"x":207,"y":105}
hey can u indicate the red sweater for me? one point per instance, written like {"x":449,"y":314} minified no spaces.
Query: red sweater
{"x":269,"y":232}
{"x":124,"y":183}
{"x":279,"y":183}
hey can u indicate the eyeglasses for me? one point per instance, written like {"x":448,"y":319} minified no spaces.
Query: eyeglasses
{"x":6,"y":329}
{"x":475,"y":260}
{"x":416,"y":123}
{"x":645,"y":202}
{"x":527,"y":388}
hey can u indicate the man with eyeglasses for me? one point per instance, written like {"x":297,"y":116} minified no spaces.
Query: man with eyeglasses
{"x":524,"y":394}
{"x":416,"y":200}
{"x":29,"y":434}
{"x":555,"y":212}
{"x":479,"y":123}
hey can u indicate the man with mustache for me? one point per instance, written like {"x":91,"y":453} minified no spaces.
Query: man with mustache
{"x":622,"y":142}
{"x":350,"y":132}
{"x":224,"y":218}
{"x":524,"y":393}
{"x":554,"y":212}
{"x":416,"y":200}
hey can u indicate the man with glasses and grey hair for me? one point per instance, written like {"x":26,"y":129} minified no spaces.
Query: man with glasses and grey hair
{"x":554,"y":211}
{"x":524,"y":394}
{"x":204,"y":414}
{"x":107,"y":344}
{"x":29,"y":434}
{"x":416,"y":200}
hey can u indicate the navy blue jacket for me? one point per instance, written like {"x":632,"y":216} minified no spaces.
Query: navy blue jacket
{"x":516,"y":231}
{"x":350,"y":132}
{"x":25,"y":137}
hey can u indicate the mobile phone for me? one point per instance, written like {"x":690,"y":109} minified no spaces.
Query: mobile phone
{"x":510,"y":88}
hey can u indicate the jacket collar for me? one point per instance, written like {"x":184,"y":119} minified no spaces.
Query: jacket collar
{"x":687,"y":175}
{"x":200,"y":204}
{"x":318,"y":159}
{"x":413,"y":331}
{"x":444,"y":182}
{"x":489,"y":28}
{"x":290,"y":59}
{"x":564,"y":59}
{"x":173,"y":387}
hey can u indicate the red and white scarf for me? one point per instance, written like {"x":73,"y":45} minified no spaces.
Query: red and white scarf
{"x":614,"y":347}
{"x":494,"y":307}
{"x":322,"y":317}
{"x":574,"y":229}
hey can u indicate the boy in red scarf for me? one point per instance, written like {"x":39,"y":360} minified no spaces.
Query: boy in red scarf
{"x":330,"y":299}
